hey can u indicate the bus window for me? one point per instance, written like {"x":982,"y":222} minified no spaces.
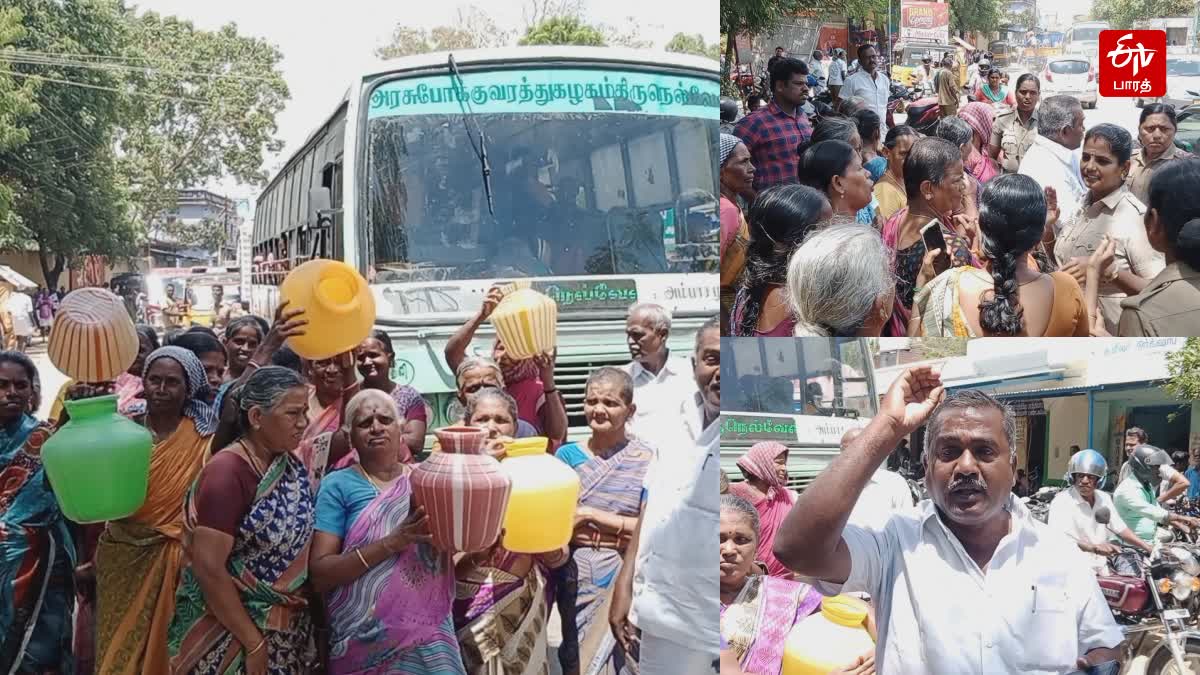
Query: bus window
{"x":427,"y":215}
{"x":824,"y":377}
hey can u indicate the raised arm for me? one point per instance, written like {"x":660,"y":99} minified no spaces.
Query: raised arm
{"x":456,"y":346}
{"x":553,"y":412}
{"x":810,"y":539}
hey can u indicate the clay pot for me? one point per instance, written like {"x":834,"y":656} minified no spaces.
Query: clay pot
{"x":464,"y":491}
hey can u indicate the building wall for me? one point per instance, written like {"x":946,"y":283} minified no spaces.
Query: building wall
{"x":1066,"y":425}
{"x":28,"y":265}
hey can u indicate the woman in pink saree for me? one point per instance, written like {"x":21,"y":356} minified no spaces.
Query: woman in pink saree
{"x":388,"y":592}
{"x":323,"y":448}
{"x":765,"y":487}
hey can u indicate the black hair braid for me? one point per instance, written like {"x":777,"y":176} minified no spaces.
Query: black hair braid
{"x":1002,"y":314}
{"x":763,"y":262}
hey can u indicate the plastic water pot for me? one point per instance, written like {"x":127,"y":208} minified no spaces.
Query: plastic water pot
{"x":464,"y":491}
{"x":828,"y":640}
{"x":527,"y":322}
{"x":337,"y":303}
{"x":545,"y":492}
{"x":98,"y":463}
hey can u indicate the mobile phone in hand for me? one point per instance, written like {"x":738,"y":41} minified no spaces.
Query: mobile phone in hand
{"x":932,"y":235}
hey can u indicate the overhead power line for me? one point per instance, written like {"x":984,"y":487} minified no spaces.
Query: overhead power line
{"x":27,"y":58}
{"x":86,"y":85}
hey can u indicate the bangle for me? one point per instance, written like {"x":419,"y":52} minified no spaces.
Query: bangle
{"x":261,"y":643}
{"x":362,"y":559}
{"x":547,"y":392}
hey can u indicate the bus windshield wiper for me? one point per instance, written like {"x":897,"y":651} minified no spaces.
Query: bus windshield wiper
{"x":464,"y":102}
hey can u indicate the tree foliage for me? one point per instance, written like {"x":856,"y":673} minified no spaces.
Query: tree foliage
{"x":472,"y":29}
{"x":1184,"y":367}
{"x":563,"y":30}
{"x":692,"y":44}
{"x":66,"y":193}
{"x":975,"y":15}
{"x":215,"y":98}
{"x":1122,"y":13}
{"x":16,"y":102}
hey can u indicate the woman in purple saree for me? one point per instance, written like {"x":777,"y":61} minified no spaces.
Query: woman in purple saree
{"x":389,"y":594}
{"x":611,"y":467}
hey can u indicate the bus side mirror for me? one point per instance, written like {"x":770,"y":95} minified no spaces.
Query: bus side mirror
{"x":318,"y":206}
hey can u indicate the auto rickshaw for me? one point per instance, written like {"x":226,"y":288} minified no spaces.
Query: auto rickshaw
{"x":906,"y":65}
{"x":1001,"y":53}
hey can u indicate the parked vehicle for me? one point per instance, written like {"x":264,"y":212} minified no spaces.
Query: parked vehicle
{"x":1156,"y":598}
{"x":1183,"y":83}
{"x":1038,"y":503}
{"x":1073,"y":76}
{"x":924,"y":115}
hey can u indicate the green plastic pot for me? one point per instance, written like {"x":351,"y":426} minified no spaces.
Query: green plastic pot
{"x":98,"y":463}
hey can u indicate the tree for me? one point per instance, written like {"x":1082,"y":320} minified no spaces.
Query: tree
{"x":751,"y":17}
{"x":473,"y":29}
{"x":1122,"y":13}
{"x":16,"y":101}
{"x":1184,"y":367}
{"x":974,"y":15}
{"x":692,"y":44}
{"x":65,"y":191}
{"x":208,"y":110}
{"x":537,"y":12}
{"x":563,"y":30}
{"x":940,"y":348}
{"x":626,"y":35}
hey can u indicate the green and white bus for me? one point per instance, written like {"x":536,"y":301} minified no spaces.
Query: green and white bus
{"x":589,"y":172}
{"x":803,"y":392}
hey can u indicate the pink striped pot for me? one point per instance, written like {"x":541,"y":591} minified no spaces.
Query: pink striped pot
{"x":463,"y":490}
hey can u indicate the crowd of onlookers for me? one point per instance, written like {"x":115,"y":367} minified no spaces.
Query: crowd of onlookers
{"x":1004,"y":219}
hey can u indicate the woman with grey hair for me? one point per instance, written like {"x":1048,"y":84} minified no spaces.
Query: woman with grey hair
{"x":840,"y":282}
{"x":388,"y":593}
{"x":737,"y":184}
{"x":251,"y":510}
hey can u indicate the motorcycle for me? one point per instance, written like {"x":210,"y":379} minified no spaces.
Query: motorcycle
{"x":1154,"y":598}
{"x":1038,"y":503}
{"x":924,"y":115}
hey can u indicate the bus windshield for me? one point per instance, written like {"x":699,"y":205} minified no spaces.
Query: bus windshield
{"x":593,"y":171}
{"x":824,"y":377}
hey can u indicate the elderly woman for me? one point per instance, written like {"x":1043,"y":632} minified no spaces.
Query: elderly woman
{"x":501,"y":607}
{"x":477,"y":373}
{"x":139,"y":558}
{"x":249,"y":523}
{"x":737,"y":182}
{"x":835,"y":168}
{"x":764,"y":468}
{"x":758,"y":611}
{"x":889,"y":190}
{"x":980,"y":118}
{"x":332,"y":383}
{"x":389,"y":593}
{"x":1156,"y":131}
{"x":529,"y":381}
{"x":780,"y":218}
{"x":611,"y":467}
{"x":376,"y":357}
{"x":934,"y":186}
{"x":840,"y":282}
{"x":37,"y":553}
{"x":1109,"y":209}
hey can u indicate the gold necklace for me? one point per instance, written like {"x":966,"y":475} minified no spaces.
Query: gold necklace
{"x":378,"y":485}
{"x":250,"y":456}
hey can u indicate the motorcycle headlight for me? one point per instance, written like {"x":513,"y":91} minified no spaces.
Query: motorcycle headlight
{"x":1181,"y":585}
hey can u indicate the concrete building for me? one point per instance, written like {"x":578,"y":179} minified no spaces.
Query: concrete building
{"x":195,"y":207}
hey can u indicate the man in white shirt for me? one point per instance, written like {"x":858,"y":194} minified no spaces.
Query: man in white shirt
{"x":971,"y":584}
{"x":1053,"y":159}
{"x":660,"y":382}
{"x":925,"y":75}
{"x":1073,"y":511}
{"x":20,"y":307}
{"x":666,"y":585}
{"x":836,"y":75}
{"x":871,"y":84}
{"x":816,"y":68}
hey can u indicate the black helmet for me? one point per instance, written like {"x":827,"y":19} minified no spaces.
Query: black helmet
{"x":729,"y":109}
{"x":1145,"y":460}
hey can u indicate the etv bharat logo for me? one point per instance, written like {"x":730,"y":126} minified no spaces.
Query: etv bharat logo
{"x":1133,"y":63}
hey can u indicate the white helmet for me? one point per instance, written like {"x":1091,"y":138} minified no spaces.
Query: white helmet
{"x":1088,"y":462}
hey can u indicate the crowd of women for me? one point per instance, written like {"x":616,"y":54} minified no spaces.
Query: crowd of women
{"x":278,"y":533}
{"x":1017,"y":224}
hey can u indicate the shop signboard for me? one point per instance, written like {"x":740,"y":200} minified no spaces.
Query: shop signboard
{"x":924,"y":21}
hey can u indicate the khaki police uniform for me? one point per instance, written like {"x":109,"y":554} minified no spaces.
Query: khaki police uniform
{"x":1141,"y":170}
{"x":1168,"y":307}
{"x":1013,"y":137}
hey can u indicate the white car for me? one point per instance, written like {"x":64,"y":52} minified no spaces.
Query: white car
{"x":1070,"y":75}
{"x":1183,"y":83}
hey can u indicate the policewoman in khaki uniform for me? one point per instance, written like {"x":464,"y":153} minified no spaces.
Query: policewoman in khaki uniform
{"x":1014,"y":129}
{"x":1156,"y":131}
{"x":1170,"y":305}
